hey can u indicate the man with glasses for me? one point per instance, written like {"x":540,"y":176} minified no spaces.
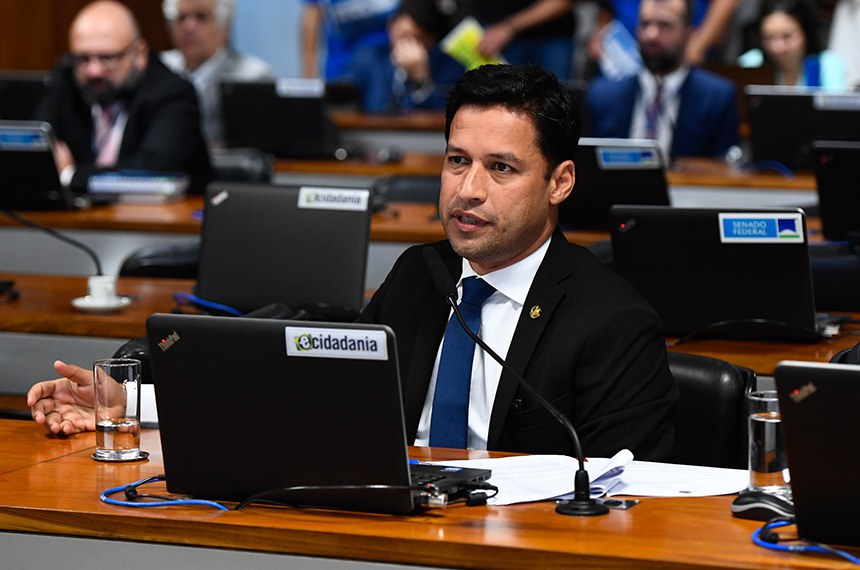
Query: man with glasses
{"x":113,"y":106}
{"x":200,"y":30}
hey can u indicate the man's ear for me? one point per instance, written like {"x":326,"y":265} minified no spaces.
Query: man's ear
{"x":561,"y":182}
{"x":141,"y":54}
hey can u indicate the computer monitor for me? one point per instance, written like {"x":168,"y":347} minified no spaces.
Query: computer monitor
{"x":719,"y":272}
{"x":836,"y":172}
{"x":20,"y":93}
{"x":302,"y":246}
{"x":28,"y":174}
{"x":613,"y":171}
{"x":784,"y":122}
{"x":288,"y":117}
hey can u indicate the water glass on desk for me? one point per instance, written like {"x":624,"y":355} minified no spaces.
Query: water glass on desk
{"x":116,"y":384}
{"x":768,"y":464}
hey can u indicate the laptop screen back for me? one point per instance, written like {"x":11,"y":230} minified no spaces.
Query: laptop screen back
{"x":28,"y":174}
{"x":838,"y":189}
{"x":298,"y":245}
{"x":785,"y":121}
{"x":286,"y":117}
{"x":820,"y":423}
{"x":719,"y":272}
{"x":613,"y":171}
{"x":250,"y":405}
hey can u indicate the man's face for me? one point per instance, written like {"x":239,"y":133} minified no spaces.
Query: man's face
{"x":196,"y":32}
{"x":496,"y":203}
{"x":662,"y":34}
{"x":108,"y":59}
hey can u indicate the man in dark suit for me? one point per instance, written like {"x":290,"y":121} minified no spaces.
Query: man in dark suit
{"x":574,"y":329}
{"x":114,"y":106}
{"x":691,"y":112}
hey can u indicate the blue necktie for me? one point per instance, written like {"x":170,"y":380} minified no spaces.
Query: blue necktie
{"x":450,"y":418}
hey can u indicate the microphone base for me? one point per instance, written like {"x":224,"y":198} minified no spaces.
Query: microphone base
{"x":579,"y":508}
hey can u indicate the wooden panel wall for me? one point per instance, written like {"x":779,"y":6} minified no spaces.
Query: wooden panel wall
{"x":33,"y":33}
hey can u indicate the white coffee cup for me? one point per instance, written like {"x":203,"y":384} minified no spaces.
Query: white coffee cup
{"x":101,"y":289}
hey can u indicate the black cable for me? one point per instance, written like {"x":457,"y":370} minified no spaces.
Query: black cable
{"x":62,"y":237}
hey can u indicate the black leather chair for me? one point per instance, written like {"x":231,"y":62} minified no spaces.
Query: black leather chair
{"x":836,"y":276}
{"x":710,"y":418}
{"x":420,"y":189}
{"x":847,"y":356}
{"x":171,"y":261}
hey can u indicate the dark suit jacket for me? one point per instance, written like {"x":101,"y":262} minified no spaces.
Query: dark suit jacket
{"x":707,"y":122}
{"x":597,"y":352}
{"x":162,"y":133}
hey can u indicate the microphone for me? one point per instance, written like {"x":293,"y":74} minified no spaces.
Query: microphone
{"x":582,"y":504}
{"x":54,"y":233}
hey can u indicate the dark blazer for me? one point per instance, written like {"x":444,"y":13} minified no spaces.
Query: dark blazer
{"x":596,"y":351}
{"x":162,"y":133}
{"x":707,"y":123}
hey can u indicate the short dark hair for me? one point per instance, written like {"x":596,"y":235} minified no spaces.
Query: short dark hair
{"x":527,"y":89}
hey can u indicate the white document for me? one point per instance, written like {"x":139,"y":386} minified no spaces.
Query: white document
{"x":527,"y":478}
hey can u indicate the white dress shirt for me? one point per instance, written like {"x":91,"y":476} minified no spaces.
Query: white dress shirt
{"x":671,"y":104}
{"x":499,"y":316}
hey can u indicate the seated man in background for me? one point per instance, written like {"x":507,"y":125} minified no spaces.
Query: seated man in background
{"x":200,"y":30}
{"x":690,"y":111}
{"x":114,"y":106}
{"x":576,"y":331}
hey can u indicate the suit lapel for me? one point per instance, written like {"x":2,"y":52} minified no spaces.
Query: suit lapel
{"x":546,"y":294}
{"x":431,"y":328}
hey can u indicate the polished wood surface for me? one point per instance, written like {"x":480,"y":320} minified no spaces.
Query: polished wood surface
{"x":414,"y":120}
{"x":45,"y":306}
{"x":51,"y":485}
{"x":399,"y":222}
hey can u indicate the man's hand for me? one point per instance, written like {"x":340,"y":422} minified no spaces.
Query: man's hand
{"x":64,"y":405}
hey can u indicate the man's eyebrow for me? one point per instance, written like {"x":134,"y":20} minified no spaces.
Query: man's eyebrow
{"x":501,"y":156}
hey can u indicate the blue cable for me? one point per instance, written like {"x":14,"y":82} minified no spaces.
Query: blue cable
{"x":181,"y":297}
{"x":812,"y":547}
{"x":106,"y":498}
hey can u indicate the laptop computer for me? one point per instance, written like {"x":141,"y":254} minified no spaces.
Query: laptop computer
{"x":730,"y":273}
{"x":821,"y":456}
{"x":20,"y":93}
{"x":304,"y":246}
{"x":838,"y":189}
{"x":613,"y":171}
{"x":28,"y":174}
{"x":251,"y":405}
{"x":784,"y":121}
{"x":288,"y":118}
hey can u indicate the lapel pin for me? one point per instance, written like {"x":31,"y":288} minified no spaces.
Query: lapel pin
{"x":535,"y":312}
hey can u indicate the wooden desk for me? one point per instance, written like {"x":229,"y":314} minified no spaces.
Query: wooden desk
{"x":45,"y":306}
{"x":51,"y":486}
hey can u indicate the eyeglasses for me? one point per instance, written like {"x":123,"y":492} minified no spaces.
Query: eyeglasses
{"x":105,"y":59}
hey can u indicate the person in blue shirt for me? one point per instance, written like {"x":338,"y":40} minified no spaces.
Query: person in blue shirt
{"x":356,"y":45}
{"x":790,"y":44}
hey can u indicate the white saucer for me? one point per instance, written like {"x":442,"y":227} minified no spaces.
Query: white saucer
{"x":88,"y":305}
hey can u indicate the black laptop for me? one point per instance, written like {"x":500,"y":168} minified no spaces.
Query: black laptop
{"x":28,"y":174}
{"x":836,"y":168}
{"x":784,"y":122}
{"x":20,"y":93}
{"x":613,"y":171}
{"x":303,"y":246}
{"x":247,"y":406}
{"x":289,"y":118}
{"x":730,"y":273}
{"x":820,"y":424}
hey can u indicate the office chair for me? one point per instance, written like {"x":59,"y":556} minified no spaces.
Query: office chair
{"x":835,"y":276}
{"x":420,"y":189}
{"x":710,"y":417}
{"x":848,"y":356}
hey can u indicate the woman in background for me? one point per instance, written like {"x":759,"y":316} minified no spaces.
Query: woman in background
{"x":790,"y":44}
